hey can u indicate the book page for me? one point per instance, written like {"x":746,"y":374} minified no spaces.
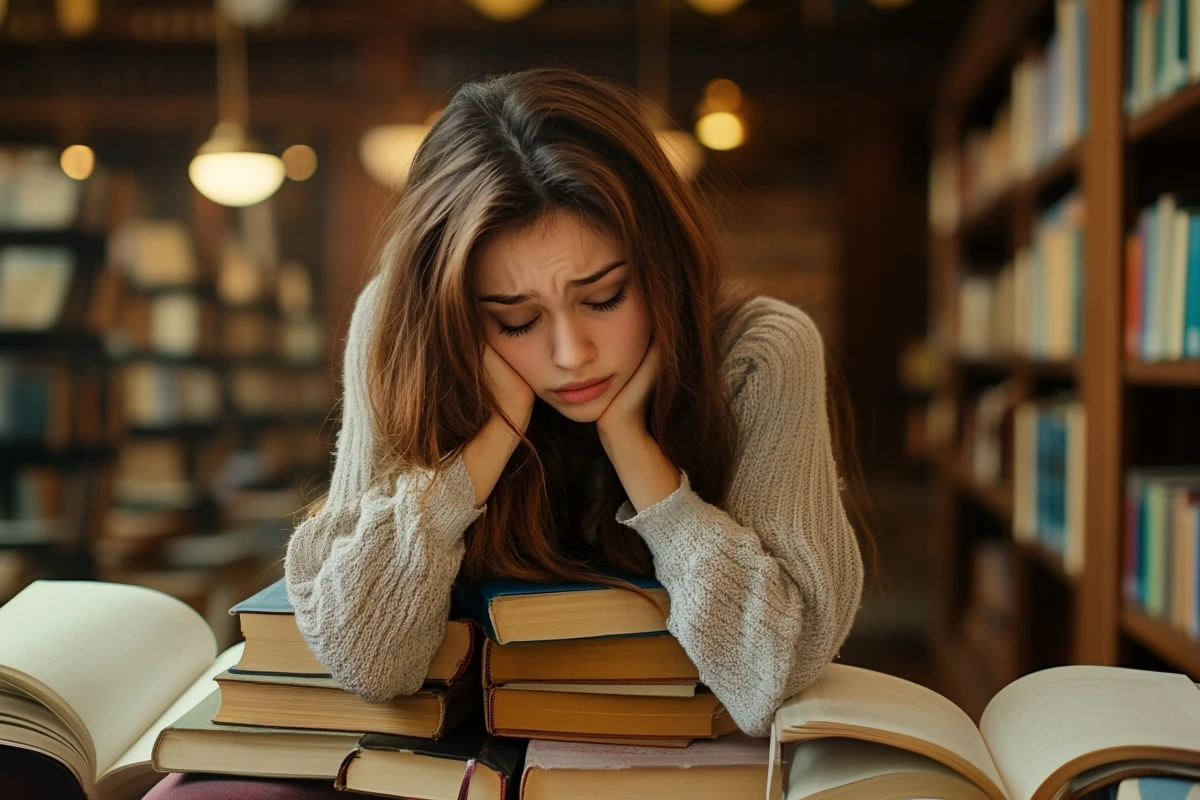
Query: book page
{"x":830,"y":764}
{"x":201,"y":688}
{"x":872,"y":706}
{"x":1043,"y":721}
{"x":107,"y":658}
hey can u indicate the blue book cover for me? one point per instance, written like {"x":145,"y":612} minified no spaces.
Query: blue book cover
{"x":1191,"y":313}
{"x":477,"y":602}
{"x":1158,"y":788}
{"x":271,"y":600}
{"x":1148,"y":221}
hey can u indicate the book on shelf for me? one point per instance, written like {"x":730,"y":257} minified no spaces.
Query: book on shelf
{"x":1049,"y":478}
{"x":294,"y":701}
{"x":466,"y":763}
{"x":523,"y":611}
{"x":34,"y":283}
{"x":275,"y":645}
{"x":1161,"y":55}
{"x":1162,"y":282}
{"x":1060,"y":732}
{"x":1162,"y":528}
{"x":92,"y":671}
{"x":733,"y":767}
{"x":194,"y":743}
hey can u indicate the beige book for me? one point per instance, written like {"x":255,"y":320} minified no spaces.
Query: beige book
{"x":194,"y":743}
{"x":732,"y":767}
{"x":625,"y":689}
{"x":613,"y":659}
{"x":1049,"y":735}
{"x":291,"y":701}
{"x":90,"y":672}
{"x":550,"y":715}
{"x":275,"y":645}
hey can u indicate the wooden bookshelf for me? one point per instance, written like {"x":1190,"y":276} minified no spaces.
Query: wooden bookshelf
{"x":1170,"y":644}
{"x":1164,"y":373}
{"x":1059,"y":169}
{"x":996,"y":498}
{"x":1090,"y":620}
{"x":967,"y":677}
{"x":1050,"y":562}
{"x":1178,"y":115}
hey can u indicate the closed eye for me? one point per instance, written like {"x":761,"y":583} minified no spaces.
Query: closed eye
{"x":606,"y":305}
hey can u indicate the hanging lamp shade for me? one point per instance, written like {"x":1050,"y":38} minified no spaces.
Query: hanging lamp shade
{"x":716,"y":8}
{"x":233,"y":170}
{"x":253,"y":13}
{"x":387,"y":151}
{"x":505,"y":10}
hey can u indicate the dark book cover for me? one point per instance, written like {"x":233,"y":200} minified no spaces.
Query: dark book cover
{"x":468,"y":742}
{"x":271,"y":600}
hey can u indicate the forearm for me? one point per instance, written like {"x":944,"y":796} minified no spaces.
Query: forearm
{"x":646,"y":473}
{"x":370,"y":579}
{"x":486,"y":455}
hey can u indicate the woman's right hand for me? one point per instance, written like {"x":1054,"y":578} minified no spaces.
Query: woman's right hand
{"x":514,"y":395}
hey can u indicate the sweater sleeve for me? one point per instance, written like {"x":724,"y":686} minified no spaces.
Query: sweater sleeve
{"x":370,"y":574}
{"x":763,"y":594}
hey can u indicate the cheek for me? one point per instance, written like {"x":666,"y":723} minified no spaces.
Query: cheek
{"x":518,"y":352}
{"x":633,"y":335}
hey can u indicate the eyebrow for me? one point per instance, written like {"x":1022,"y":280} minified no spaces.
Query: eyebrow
{"x":517,"y":299}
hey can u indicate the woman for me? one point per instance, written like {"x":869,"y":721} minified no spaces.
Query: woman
{"x":547,"y":380}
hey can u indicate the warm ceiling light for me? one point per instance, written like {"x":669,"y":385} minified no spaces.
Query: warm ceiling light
{"x":387,"y":152}
{"x":3,"y":9}
{"x":77,"y":18}
{"x":299,"y":162}
{"x":505,"y":10}
{"x":78,"y":161}
{"x":253,"y":13}
{"x":716,"y":8}
{"x":232,"y":170}
{"x":683,"y":151}
{"x":720,"y":130}
{"x":722,"y":94}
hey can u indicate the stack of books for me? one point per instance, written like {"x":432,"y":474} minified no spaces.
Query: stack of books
{"x":279,"y":714}
{"x":611,"y":700}
{"x":588,"y":663}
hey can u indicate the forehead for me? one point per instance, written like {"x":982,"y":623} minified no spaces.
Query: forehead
{"x":556,"y":248}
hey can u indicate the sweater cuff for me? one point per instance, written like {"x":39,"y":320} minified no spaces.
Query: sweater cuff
{"x":449,"y":503}
{"x":658,"y":525}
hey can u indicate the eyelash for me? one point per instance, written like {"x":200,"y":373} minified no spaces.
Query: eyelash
{"x":607,"y":305}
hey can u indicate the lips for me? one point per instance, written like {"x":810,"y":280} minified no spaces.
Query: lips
{"x":583,"y":392}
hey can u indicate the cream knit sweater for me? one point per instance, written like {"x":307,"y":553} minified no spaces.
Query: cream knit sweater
{"x":762,"y":592}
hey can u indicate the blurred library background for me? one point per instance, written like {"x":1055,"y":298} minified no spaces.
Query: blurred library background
{"x":986,"y":207}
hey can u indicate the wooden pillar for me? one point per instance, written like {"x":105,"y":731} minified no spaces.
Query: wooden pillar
{"x":1098,"y":598}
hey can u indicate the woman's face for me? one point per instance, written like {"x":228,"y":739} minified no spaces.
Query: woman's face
{"x":559,"y":305}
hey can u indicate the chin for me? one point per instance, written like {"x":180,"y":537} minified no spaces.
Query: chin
{"x":588,"y":412}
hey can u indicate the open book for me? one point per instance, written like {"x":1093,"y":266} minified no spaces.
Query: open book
{"x":1056,"y":733}
{"x":90,"y":673}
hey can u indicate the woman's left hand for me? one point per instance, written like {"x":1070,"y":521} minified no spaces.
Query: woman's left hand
{"x":627,"y":411}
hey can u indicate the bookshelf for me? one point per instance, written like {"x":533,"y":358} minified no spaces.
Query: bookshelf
{"x":220,"y":463}
{"x":1135,"y":411}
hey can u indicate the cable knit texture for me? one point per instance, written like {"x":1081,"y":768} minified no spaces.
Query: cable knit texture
{"x":763,"y":593}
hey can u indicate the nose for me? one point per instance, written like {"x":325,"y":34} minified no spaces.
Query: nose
{"x":573,"y":346}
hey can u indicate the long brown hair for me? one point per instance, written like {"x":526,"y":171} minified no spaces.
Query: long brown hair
{"x":503,"y":154}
